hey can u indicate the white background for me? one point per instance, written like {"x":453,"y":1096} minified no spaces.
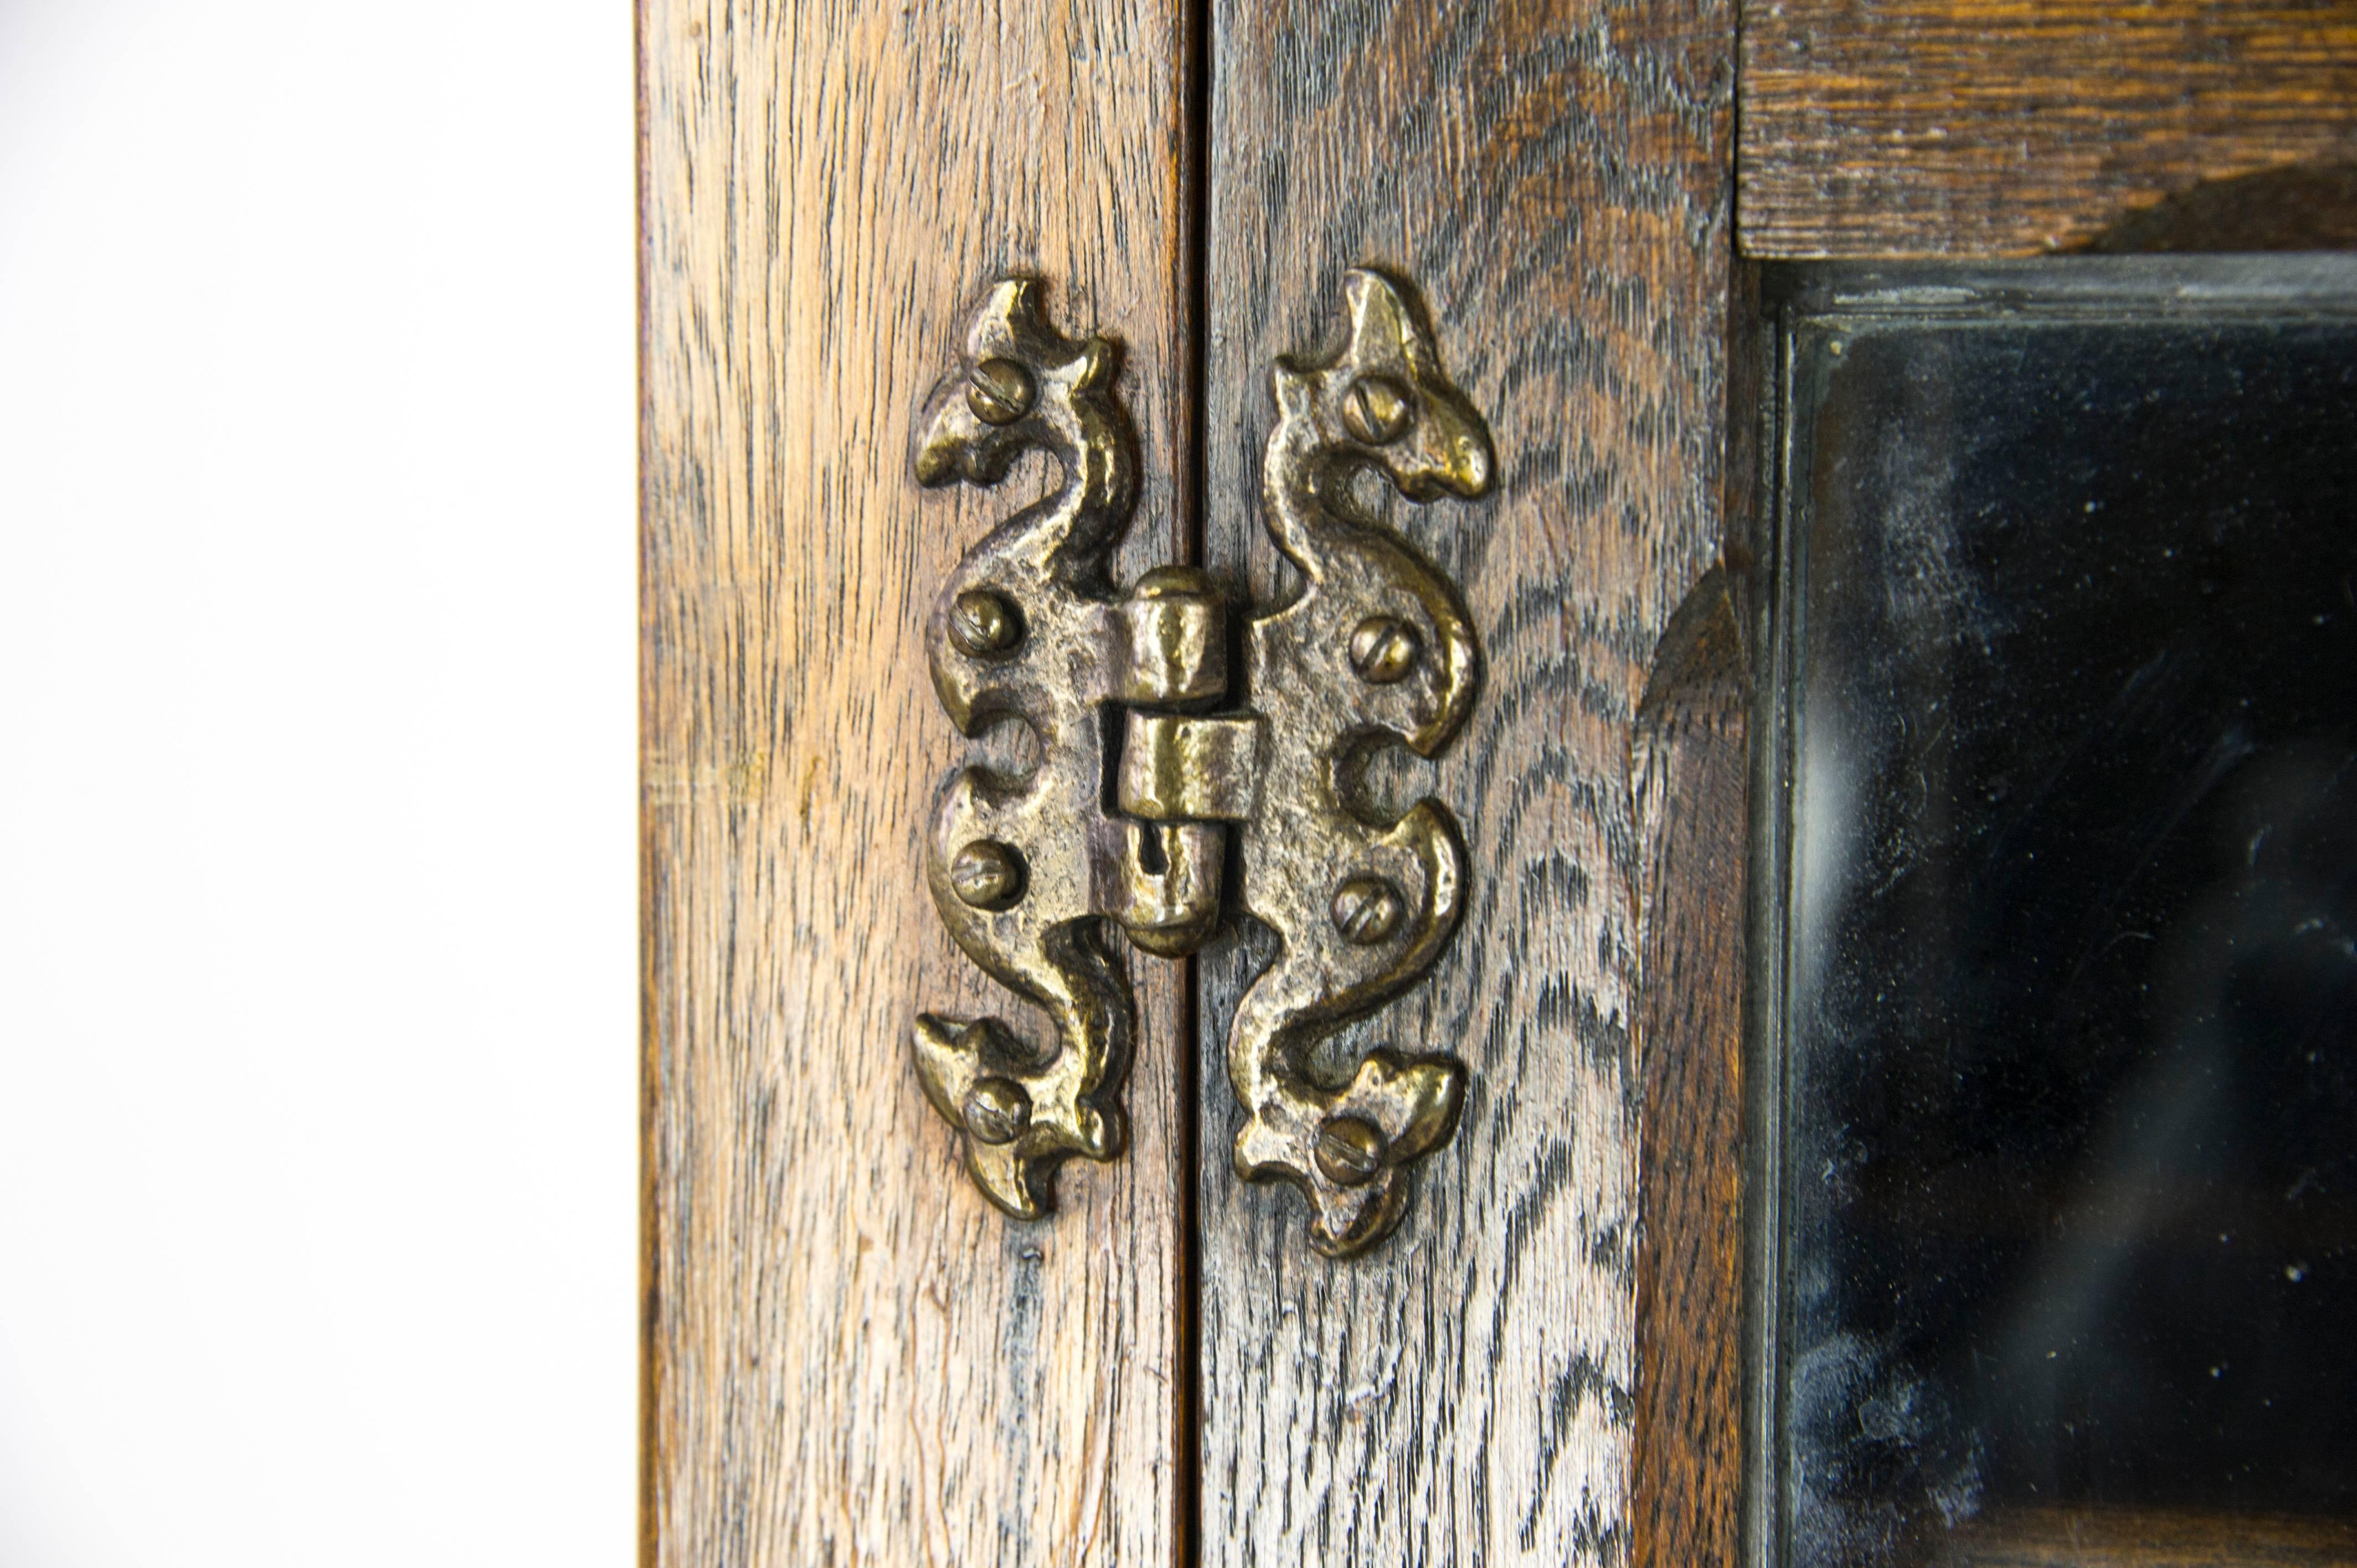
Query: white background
{"x":317,"y":953}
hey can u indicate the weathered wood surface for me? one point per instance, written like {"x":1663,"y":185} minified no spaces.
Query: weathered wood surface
{"x":850,"y":1357}
{"x":2011,"y":127}
{"x":1690,"y":768}
{"x":1557,"y":177}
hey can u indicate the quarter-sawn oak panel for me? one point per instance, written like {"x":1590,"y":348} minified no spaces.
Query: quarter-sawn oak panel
{"x":1554,"y":175}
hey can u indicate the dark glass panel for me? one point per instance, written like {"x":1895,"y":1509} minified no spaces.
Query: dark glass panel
{"x":2070,"y":1016}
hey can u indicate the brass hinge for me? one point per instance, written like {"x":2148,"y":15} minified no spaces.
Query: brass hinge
{"x":1032,"y":873}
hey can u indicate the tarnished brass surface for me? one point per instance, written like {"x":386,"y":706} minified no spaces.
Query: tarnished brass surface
{"x":1027,"y":873}
{"x":1378,"y":645}
{"x":1026,"y":870}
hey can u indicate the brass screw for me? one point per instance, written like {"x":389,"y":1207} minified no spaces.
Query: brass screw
{"x":1382,"y":649}
{"x":999,"y":391}
{"x":987,"y":874}
{"x":982,"y":623}
{"x":996,"y":1110}
{"x":1375,"y":410}
{"x":1367,"y":909}
{"x":1350,"y":1151}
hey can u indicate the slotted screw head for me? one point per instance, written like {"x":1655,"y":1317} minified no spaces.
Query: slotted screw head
{"x":1383,"y":649}
{"x":987,"y":874}
{"x":982,"y":623}
{"x":1367,"y":909}
{"x":1376,"y":410}
{"x":996,"y":1110}
{"x":1350,"y":1151}
{"x":999,"y":391}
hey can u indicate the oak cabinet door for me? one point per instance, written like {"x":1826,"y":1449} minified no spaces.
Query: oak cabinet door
{"x":851,"y":1357}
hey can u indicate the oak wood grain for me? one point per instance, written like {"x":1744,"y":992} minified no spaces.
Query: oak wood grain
{"x":850,"y":1357}
{"x":1555,"y":174}
{"x":2010,"y":127}
{"x":1690,"y":768}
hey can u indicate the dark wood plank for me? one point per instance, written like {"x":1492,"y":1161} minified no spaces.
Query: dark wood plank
{"x":1555,"y":174}
{"x":1691,"y":767}
{"x":2010,"y":127}
{"x":851,"y":1357}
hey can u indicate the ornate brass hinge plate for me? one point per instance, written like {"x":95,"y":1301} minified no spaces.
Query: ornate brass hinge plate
{"x":1031,"y":874}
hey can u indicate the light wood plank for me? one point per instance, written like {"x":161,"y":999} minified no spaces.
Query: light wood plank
{"x":851,"y":1357}
{"x":2011,"y":127}
{"x":1555,"y":174}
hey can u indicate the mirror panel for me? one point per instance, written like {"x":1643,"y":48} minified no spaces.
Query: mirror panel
{"x":2063,"y":1215}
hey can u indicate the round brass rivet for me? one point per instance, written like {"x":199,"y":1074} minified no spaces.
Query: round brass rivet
{"x":1383,"y":649}
{"x":1367,"y":909}
{"x":999,"y":391}
{"x":996,"y":1109}
{"x":982,"y":623}
{"x":1349,"y":1151}
{"x":1375,"y":410}
{"x":987,"y":874}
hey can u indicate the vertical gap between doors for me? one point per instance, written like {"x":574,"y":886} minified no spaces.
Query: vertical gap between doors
{"x":1191,"y":525}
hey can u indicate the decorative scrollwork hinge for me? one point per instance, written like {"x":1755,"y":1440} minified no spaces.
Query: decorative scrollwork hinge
{"x":1031,"y":872}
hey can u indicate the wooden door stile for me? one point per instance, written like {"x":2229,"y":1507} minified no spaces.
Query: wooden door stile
{"x":1556,"y":178}
{"x":850,"y":1357}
